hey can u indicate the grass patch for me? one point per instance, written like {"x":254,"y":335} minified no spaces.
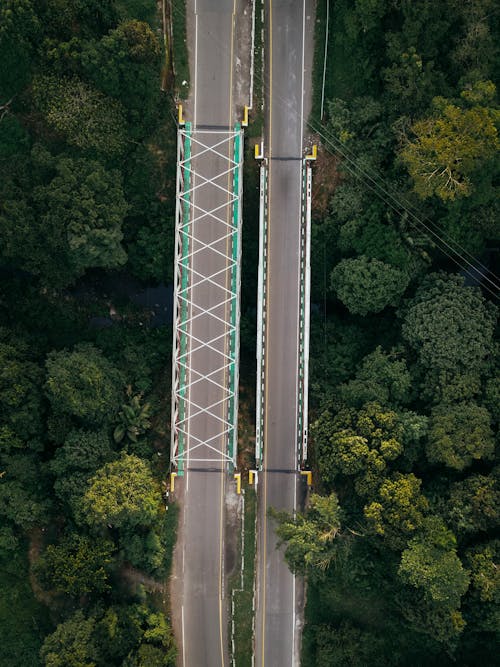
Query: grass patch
{"x":23,"y":620}
{"x":244,"y":588}
{"x":256,"y":120}
{"x":168,"y":536}
{"x":318,"y":59}
{"x":180,"y":53}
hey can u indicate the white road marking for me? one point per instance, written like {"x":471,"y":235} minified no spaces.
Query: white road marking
{"x":183,"y":642}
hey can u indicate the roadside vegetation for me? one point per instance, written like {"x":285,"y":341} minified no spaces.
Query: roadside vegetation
{"x":243,"y":586}
{"x":180,"y":48}
{"x":400,"y":542}
{"x":87,"y":200}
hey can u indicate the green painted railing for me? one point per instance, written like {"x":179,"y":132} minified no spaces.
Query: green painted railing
{"x":186,"y":213}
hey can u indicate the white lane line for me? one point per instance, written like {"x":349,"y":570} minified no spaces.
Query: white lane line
{"x":183,"y":642}
{"x":301,"y":185}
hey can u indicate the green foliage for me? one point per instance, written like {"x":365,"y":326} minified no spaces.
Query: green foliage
{"x":88,"y":119}
{"x":309,"y":537}
{"x":84,"y":385}
{"x":431,"y":564}
{"x":122,"y":493}
{"x":358,"y":443}
{"x":77,"y":565}
{"x":23,"y":620}
{"x":398,"y":510}
{"x":21,"y":408}
{"x":80,"y":103}
{"x":349,"y":645}
{"x":180,"y":47}
{"x":23,"y":498}
{"x":459,"y":435}
{"x":448,"y":148}
{"x":19,"y":28}
{"x":450,"y":327}
{"x":474,"y":503}
{"x":71,"y":223}
{"x":409,"y":102}
{"x":381,"y":377}
{"x":72,"y":644}
{"x":134,"y":419}
{"x":82,"y":453}
{"x":485,"y":575}
{"x":337,"y":347}
{"x":125,"y":65}
{"x":368,"y":285}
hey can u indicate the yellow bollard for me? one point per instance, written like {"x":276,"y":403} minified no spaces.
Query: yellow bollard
{"x":252,"y":474}
{"x":244,"y":122}
{"x":237,"y":477}
{"x":173,"y":475}
{"x":309,"y":476}
{"x":259,"y":151}
{"x":314,"y":153}
{"x":180,"y":117}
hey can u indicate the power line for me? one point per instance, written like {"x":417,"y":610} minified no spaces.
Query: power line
{"x":392,"y":201}
{"x":406,"y":206}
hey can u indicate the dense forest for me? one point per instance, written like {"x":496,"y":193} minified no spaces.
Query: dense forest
{"x":400,"y":542}
{"x":87,"y":166}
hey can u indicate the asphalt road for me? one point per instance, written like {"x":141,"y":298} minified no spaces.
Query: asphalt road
{"x":199,"y":563}
{"x":290,"y":25}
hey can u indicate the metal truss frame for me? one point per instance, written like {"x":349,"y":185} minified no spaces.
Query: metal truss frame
{"x":227,"y":145}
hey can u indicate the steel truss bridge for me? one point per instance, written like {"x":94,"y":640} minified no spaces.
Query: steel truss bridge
{"x":206,"y":298}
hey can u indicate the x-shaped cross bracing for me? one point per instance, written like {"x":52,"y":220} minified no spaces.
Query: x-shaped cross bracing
{"x":206,"y":297}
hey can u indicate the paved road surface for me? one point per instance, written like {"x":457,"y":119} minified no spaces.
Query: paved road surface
{"x":290,"y":24}
{"x":199,"y":565}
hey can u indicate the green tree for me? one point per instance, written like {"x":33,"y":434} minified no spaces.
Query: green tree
{"x":485,"y":574}
{"x":9,"y":543}
{"x":23,"y":493}
{"x":431,"y":563}
{"x":474,"y":503}
{"x":74,"y":462}
{"x":133,"y":419}
{"x":409,"y":82}
{"x":68,"y":224}
{"x":450,"y":327}
{"x":21,"y":408}
{"x":368,"y":285}
{"x":77,"y":565}
{"x":84,"y":204}
{"x":72,"y":644}
{"x":348,"y":645}
{"x":125,"y":64}
{"x":309,"y":538}
{"x":382,"y":377}
{"x":84,"y":385}
{"x":124,"y":631}
{"x":448,"y":147}
{"x":88,"y":119}
{"x":359,"y":444}
{"x":460,"y":434}
{"x":122,"y":493}
{"x":19,"y":28}
{"x":398,"y":509}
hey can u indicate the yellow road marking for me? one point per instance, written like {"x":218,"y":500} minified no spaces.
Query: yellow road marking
{"x":266,"y":357}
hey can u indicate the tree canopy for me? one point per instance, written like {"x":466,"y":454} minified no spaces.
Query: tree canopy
{"x":84,"y":385}
{"x":122,"y":493}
